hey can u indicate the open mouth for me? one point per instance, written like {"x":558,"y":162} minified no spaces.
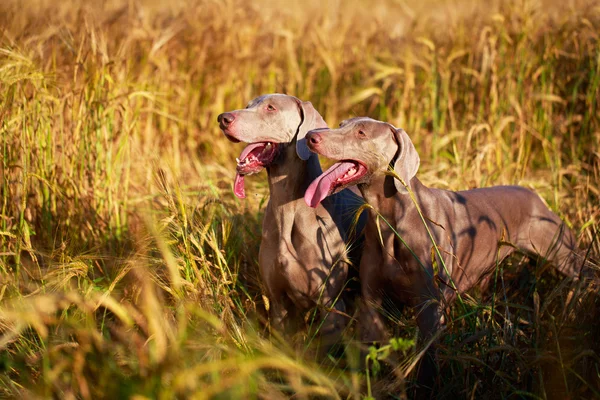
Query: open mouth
{"x":340,"y":175}
{"x":254,"y":158}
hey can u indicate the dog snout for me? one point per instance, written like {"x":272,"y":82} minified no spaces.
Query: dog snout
{"x":225,"y":119}
{"x":313,"y":138}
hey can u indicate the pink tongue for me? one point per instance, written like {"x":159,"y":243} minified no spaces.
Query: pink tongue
{"x":249,"y":148}
{"x":320,"y":187}
{"x":238,"y":186}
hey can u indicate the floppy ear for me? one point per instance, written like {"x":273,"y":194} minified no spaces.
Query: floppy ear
{"x":311,"y":119}
{"x":407,"y":160}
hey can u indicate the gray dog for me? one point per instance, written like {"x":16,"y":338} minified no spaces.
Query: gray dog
{"x":303,"y":253}
{"x":399,"y":259}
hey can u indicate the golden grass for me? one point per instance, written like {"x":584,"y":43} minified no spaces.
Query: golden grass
{"x":128,"y":268}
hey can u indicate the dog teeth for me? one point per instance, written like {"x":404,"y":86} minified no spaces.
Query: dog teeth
{"x":250,"y":158}
{"x":247,"y":160}
{"x":351,"y":172}
{"x":266,"y":149}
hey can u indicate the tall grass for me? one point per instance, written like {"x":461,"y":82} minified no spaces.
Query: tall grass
{"x":128,"y":268}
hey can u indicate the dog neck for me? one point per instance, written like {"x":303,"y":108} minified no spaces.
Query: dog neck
{"x":387,"y":202}
{"x":290,"y":176}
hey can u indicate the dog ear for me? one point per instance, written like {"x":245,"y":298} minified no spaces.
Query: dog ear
{"x":407,"y":160}
{"x":311,"y":119}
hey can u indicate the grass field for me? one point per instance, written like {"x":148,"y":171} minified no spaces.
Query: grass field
{"x":129,"y":269}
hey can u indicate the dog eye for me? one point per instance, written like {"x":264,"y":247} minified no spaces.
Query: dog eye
{"x":270,"y":107}
{"x":362,"y":133}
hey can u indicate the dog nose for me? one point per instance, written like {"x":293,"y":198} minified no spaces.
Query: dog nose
{"x":226,"y":119}
{"x":314,"y":138}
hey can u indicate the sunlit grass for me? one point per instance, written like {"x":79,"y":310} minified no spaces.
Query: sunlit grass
{"x":127,"y":266}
